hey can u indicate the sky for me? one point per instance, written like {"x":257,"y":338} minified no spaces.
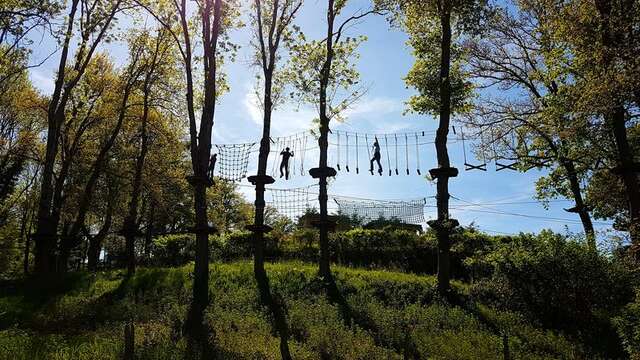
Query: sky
{"x":497,"y":202}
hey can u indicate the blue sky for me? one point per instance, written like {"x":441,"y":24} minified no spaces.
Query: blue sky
{"x":385,"y":59}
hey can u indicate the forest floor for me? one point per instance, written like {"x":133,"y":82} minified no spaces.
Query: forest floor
{"x":394,"y":316}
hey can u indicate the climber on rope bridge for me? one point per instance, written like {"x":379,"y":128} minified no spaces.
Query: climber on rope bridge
{"x":376,"y":157}
{"x":284,"y":164}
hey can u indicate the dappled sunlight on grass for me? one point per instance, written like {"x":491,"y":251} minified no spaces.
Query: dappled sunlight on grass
{"x":394,"y":315}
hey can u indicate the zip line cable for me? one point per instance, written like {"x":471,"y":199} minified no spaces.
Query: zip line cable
{"x":549,"y":218}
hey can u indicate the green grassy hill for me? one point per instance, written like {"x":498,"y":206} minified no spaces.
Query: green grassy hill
{"x":394,"y":316}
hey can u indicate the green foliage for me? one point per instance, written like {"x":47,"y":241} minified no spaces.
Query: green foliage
{"x":394,"y":315}
{"x":174,"y":250}
{"x":10,"y":250}
{"x":558,"y":282}
{"x":628,"y":326}
{"x":421,"y":21}
{"x":304,"y":72}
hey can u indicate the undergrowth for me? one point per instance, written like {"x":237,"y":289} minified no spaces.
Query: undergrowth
{"x":393,"y":316}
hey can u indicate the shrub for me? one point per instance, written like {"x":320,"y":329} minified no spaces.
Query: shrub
{"x":559,"y":283}
{"x":628,"y":326}
{"x":174,"y":250}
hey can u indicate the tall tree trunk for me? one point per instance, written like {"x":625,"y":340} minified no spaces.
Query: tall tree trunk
{"x":616,"y":121}
{"x":148,"y":236}
{"x":268,"y":49}
{"x":627,"y":170}
{"x":26,"y":236}
{"x":95,"y":241}
{"x":200,"y":148}
{"x":580,"y":208}
{"x":323,"y":143}
{"x":259,"y":227}
{"x":46,"y":230}
{"x":130,"y":226}
{"x":443,"y":225}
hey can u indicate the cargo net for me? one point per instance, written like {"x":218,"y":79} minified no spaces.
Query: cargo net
{"x":292,"y":203}
{"x":233,"y":160}
{"x":409,"y":212}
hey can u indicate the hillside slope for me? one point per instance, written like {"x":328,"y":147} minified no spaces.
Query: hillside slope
{"x":395,"y":316}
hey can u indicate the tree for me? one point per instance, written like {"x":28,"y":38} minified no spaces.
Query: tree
{"x":95,"y":18}
{"x":270,"y":21}
{"x":324,"y":75}
{"x":21,"y":119}
{"x":126,"y":85}
{"x":442,"y":90}
{"x":157,"y":63}
{"x":18,"y":18}
{"x":533,"y":123}
{"x":216,"y":18}
{"x":228,"y":209}
{"x":602,"y":41}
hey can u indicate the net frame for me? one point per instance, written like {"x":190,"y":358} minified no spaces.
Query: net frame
{"x":233,"y":161}
{"x":407,"y":211}
{"x":292,"y":203}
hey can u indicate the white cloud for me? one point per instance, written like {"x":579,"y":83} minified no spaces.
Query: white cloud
{"x":286,"y":120}
{"x":291,"y":118}
{"x":376,"y":107}
{"x":43,"y":82}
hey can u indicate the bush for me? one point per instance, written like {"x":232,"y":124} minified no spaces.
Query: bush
{"x":628,"y":326}
{"x":174,"y":250}
{"x":398,"y":249}
{"x":559,"y":283}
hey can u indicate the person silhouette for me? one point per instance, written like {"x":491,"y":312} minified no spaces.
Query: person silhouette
{"x":376,"y":157}
{"x":212,"y":166}
{"x":284,"y":164}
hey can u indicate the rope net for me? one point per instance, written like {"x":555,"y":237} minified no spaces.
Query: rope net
{"x":292,"y":203}
{"x":233,"y":160}
{"x":410,"y":211}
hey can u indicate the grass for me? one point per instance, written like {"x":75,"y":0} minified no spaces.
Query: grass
{"x":396,"y":316}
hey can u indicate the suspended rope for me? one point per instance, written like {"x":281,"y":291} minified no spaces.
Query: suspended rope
{"x":357,"y":156}
{"x":366,"y":139}
{"x":396,"y":144}
{"x":418,"y":155}
{"x":504,"y":166}
{"x":406,"y":152}
{"x":468,"y":166}
{"x":295,"y":150}
{"x":233,"y":160}
{"x":303,"y":152}
{"x":292,"y":203}
{"x":386,"y":144}
{"x":410,"y":212}
{"x":338,"y":151}
{"x":347,"y":152}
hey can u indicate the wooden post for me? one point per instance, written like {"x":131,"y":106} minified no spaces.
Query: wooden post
{"x":505,"y":346}
{"x":129,"y":337}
